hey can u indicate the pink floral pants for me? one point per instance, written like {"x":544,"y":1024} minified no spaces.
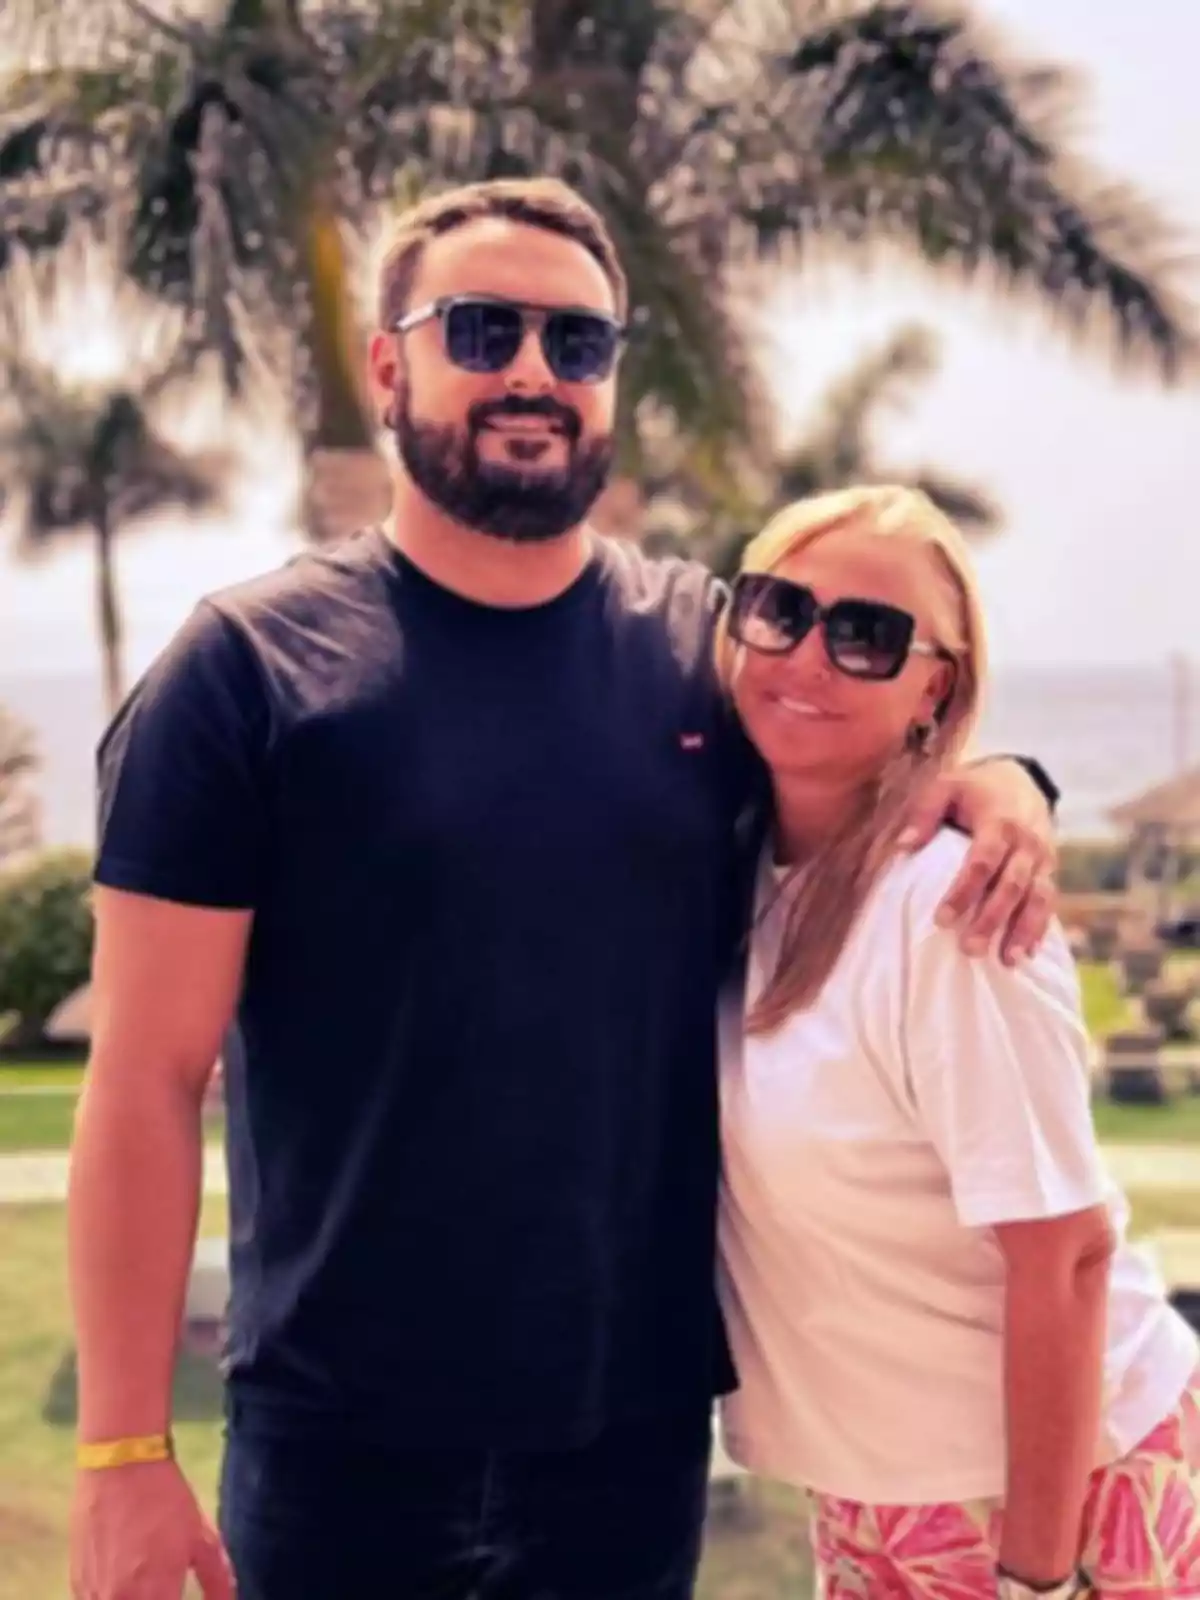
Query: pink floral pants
{"x":1141,"y":1532}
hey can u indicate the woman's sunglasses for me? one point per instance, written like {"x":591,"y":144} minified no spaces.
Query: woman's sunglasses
{"x":482,"y":333}
{"x":862,"y":638}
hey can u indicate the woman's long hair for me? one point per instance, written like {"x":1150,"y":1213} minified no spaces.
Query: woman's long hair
{"x":823,"y":898}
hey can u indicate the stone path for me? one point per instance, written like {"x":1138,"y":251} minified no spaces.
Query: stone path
{"x":36,"y":1177}
{"x":1152,"y":1166}
{"x":28,"y":1179}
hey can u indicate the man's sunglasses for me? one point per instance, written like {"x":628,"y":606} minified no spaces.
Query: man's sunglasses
{"x":484,"y":334}
{"x":862,"y":638}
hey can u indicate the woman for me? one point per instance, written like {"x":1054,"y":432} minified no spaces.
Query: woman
{"x":939,"y":1329}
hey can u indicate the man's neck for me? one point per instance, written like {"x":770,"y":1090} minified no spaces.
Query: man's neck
{"x":491,"y":571}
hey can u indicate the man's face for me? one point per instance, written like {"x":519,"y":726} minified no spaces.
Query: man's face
{"x":520,"y":453}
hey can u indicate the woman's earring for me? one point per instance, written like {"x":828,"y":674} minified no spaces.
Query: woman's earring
{"x":920,"y":738}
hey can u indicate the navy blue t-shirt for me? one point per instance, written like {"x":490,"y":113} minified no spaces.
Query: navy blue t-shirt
{"x":472,"y":1114}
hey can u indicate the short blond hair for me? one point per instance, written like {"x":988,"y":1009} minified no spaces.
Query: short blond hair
{"x":544,"y":203}
{"x":824,"y":901}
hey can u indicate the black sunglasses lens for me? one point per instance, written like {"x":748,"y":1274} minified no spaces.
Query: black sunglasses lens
{"x":770,"y":614}
{"x":867,"y":639}
{"x":483,"y":336}
{"x":580,"y":348}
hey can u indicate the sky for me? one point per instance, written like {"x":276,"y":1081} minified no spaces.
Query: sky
{"x":1099,"y":476}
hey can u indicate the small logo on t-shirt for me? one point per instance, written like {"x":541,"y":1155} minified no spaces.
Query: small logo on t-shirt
{"x":691,"y":741}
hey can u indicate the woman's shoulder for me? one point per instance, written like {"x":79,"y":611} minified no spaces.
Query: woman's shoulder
{"x":917,"y":881}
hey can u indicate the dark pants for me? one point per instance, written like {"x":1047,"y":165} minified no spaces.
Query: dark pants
{"x":621,"y":1519}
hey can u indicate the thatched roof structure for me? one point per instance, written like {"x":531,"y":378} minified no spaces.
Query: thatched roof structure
{"x":1173,"y":805}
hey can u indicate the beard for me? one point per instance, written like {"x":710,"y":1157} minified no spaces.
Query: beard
{"x":508,"y":500}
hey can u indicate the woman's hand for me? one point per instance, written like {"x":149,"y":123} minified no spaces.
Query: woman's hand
{"x":1007,"y":885}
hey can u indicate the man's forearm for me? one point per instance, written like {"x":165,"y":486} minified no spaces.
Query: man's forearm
{"x":133,"y":1202}
{"x":1054,"y":1341}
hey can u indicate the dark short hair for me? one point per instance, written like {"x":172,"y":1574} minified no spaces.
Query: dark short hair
{"x":543,"y":203}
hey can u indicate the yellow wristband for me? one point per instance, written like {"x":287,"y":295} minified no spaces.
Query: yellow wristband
{"x":124,"y":1452}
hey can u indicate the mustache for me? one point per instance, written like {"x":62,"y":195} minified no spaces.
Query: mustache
{"x":486,"y":411}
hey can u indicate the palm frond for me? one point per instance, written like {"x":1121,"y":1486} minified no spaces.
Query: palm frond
{"x":710,"y":132}
{"x":235,"y":140}
{"x":440,"y":106}
{"x":686,"y":352}
{"x":972,"y":509}
{"x":36,"y":222}
{"x":72,"y":452}
{"x":206,"y":148}
{"x":39,"y":35}
{"x":47,"y":184}
{"x":65,"y":135}
{"x":836,"y":443}
{"x":898,"y":121}
{"x":836,"y":449}
{"x":19,"y":759}
{"x":20,"y":810}
{"x":20,"y":824}
{"x":69,"y":441}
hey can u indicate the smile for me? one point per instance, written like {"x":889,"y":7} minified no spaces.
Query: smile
{"x":802,"y":708}
{"x":536,"y":426}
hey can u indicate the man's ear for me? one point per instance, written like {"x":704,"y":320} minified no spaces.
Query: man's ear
{"x":386,"y":370}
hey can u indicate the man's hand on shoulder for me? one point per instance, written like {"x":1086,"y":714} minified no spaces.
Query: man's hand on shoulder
{"x":1007,"y":887}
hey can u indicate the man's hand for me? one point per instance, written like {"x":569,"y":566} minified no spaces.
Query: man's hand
{"x":1007,"y":885}
{"x":136,"y":1534}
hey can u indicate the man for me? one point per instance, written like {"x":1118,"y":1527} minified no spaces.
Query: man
{"x":442,"y":821}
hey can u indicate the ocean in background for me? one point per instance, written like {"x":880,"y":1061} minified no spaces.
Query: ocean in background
{"x":1104,"y":734}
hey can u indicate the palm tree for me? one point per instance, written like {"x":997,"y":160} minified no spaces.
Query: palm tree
{"x":20,"y":811}
{"x":83,"y":451}
{"x":256,"y":143}
{"x":837,"y":447}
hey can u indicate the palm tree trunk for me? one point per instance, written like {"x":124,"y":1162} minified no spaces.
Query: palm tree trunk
{"x":255,"y":14}
{"x":108,"y":611}
{"x":347,"y":478}
{"x":343,"y":416}
{"x":585,"y":87}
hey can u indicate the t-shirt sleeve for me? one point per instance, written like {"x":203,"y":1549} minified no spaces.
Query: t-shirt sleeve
{"x":997,"y":1060}
{"x":180,"y":770}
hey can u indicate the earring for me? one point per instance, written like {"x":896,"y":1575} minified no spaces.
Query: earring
{"x":919,"y":741}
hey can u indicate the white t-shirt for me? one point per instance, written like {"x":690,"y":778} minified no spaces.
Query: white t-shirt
{"x":867,"y":1146}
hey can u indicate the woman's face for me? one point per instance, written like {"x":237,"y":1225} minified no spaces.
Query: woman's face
{"x":804,"y":715}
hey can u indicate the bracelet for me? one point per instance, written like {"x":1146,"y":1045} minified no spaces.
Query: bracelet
{"x":1076,"y":1586}
{"x":136,"y":1451}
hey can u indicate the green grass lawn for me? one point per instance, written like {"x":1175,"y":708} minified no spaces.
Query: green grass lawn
{"x":40,"y":1074}
{"x":44,"y":1122}
{"x":1105,"y":1008}
{"x":1176,"y":1123}
{"x":41,"y":1120}
{"x":756,"y":1546}
{"x":35,"y":1122}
